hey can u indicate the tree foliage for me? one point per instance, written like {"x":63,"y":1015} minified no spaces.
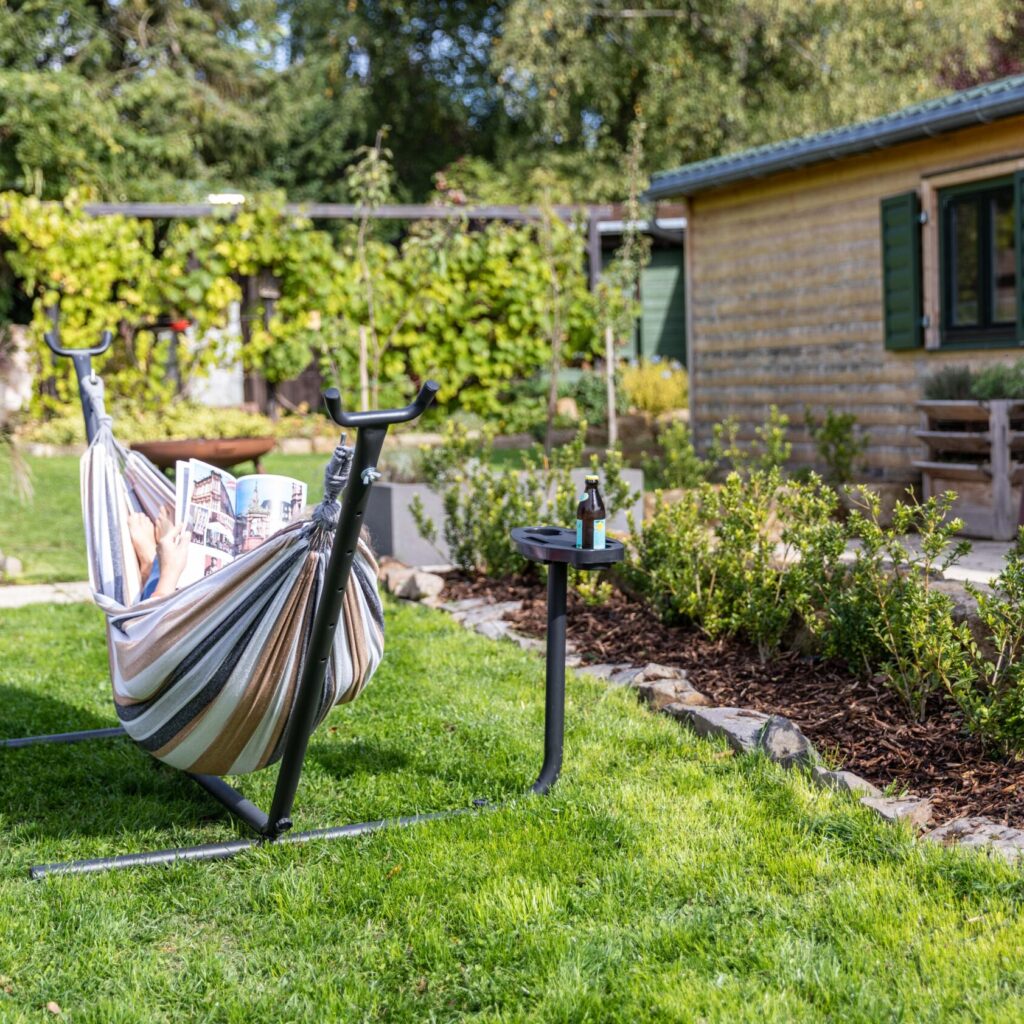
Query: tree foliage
{"x":173,"y":99}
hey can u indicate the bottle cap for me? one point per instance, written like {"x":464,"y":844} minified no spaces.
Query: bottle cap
{"x":593,"y":478}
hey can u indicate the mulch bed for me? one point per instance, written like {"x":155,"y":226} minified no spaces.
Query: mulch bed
{"x":859,"y":723}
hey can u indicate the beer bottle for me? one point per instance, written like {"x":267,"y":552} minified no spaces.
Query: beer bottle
{"x":590,"y":518}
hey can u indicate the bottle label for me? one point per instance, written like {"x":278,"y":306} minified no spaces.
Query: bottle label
{"x":599,"y":541}
{"x":579,"y":533}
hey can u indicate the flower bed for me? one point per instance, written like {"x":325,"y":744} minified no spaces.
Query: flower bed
{"x":860,"y":724}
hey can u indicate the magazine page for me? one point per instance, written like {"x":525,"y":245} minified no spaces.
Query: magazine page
{"x":180,"y":490}
{"x":210,"y":519}
{"x":265,"y":503}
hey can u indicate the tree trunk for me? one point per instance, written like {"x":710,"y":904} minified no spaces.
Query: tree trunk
{"x":364,"y":371}
{"x":609,"y":371}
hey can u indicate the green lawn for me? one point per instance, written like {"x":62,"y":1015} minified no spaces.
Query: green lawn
{"x":663,"y":880}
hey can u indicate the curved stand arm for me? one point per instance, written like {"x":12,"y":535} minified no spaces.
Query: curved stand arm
{"x":90,"y":396}
{"x":380,"y":417}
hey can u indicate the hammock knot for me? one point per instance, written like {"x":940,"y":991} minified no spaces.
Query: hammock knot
{"x":335,"y":478}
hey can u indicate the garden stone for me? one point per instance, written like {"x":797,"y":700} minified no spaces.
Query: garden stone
{"x":981,"y":833}
{"x":740,"y":726}
{"x":784,"y":743}
{"x":493,"y":629}
{"x":459,"y":609}
{"x":491,"y":612}
{"x":12,"y":566}
{"x":602,"y":671}
{"x":527,"y":643}
{"x":843,"y":782}
{"x":421,"y":586}
{"x":625,"y":676}
{"x":915,"y":810}
{"x":662,"y":692}
{"x":652,"y":671}
{"x":393,"y":574}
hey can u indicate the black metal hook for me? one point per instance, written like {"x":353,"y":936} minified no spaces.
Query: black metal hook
{"x":53,"y":340}
{"x":380,"y":417}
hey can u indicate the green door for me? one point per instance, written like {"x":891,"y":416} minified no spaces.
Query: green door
{"x":662,"y":296}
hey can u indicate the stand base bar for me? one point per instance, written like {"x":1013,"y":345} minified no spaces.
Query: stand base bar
{"x":237,"y":804}
{"x":114,"y":732}
{"x":222,"y":851}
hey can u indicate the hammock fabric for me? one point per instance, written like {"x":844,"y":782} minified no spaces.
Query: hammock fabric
{"x":205,"y":679}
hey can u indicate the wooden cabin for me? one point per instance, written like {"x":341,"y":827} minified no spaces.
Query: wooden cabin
{"x":843,"y":269}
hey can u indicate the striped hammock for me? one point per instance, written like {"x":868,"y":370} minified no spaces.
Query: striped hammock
{"x":205,"y":679}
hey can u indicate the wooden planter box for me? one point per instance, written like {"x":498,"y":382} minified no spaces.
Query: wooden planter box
{"x":977,"y":450}
{"x":394,"y":533}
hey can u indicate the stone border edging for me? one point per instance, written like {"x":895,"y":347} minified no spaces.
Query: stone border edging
{"x":667,"y":690}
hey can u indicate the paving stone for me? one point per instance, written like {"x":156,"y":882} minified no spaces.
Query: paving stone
{"x":419,"y":586}
{"x":982,"y":834}
{"x":916,"y":810}
{"x":44,"y":593}
{"x":740,"y":726}
{"x":660,"y":692}
{"x":843,"y":782}
{"x":784,"y":743}
{"x":12,"y":567}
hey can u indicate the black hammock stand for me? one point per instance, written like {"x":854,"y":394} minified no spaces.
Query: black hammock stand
{"x":542,"y":544}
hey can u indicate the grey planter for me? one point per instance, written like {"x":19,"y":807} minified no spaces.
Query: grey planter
{"x":394,"y":533}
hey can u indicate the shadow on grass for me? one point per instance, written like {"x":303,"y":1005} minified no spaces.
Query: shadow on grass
{"x":342,"y":761}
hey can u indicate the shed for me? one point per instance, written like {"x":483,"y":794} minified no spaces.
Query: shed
{"x":841,"y":270}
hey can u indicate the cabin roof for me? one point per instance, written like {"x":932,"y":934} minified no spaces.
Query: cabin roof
{"x":979,"y":104}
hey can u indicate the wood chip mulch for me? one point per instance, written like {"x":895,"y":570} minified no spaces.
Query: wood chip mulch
{"x":858,"y":723}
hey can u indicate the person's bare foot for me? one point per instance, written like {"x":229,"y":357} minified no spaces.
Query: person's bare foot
{"x":140,"y":527}
{"x":173,"y":551}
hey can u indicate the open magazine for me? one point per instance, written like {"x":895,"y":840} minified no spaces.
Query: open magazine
{"x":226,"y":516}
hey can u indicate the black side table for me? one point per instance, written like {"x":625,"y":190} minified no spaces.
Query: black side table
{"x":556,"y":548}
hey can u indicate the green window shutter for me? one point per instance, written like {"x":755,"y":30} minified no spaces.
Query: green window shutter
{"x":662,"y":297}
{"x":1018,"y":207}
{"x":901,"y":271}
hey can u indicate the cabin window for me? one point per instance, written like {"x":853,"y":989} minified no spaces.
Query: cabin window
{"x":978,"y":263}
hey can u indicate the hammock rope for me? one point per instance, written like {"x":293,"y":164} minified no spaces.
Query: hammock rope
{"x":205,"y":679}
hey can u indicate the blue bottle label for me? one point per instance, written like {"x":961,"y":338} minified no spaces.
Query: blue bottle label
{"x":599,"y":541}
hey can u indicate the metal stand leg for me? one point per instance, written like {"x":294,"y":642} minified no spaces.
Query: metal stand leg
{"x":554,"y":688}
{"x":66,"y":737}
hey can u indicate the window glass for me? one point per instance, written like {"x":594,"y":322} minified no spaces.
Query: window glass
{"x":965,"y":263}
{"x":1004,"y":273}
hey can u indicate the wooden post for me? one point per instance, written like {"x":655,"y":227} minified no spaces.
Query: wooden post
{"x":609,"y":371}
{"x":364,"y":372}
{"x":1004,"y":517}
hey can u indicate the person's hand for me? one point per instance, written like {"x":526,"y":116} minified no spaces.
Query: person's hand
{"x":140,"y":527}
{"x":173,"y":551}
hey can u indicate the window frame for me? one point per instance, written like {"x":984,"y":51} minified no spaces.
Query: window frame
{"x":982,"y":335}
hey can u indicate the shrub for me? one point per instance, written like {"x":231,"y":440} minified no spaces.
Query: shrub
{"x":993,"y":703}
{"x":179,"y":420}
{"x":838,"y":444}
{"x":735,"y":559}
{"x":679,"y":465}
{"x":999,"y":381}
{"x":951,"y":383}
{"x":655,"y":387}
{"x":884,"y":612}
{"x":483,"y":502}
